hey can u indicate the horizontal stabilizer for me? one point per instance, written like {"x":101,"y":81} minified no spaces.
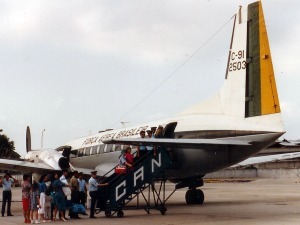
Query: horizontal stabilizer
{"x":268,"y":158}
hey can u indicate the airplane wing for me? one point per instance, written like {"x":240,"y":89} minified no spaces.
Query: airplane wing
{"x":290,"y":144}
{"x":24,"y":166}
{"x":266,"y":159}
{"x":171,"y":142}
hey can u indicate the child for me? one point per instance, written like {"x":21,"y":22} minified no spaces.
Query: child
{"x":34,"y":202}
{"x":47,"y":206}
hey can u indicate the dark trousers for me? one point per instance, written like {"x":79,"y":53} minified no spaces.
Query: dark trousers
{"x":81,"y":197}
{"x":6,"y":197}
{"x":93,"y":195}
{"x":74,"y":197}
{"x":74,"y":200}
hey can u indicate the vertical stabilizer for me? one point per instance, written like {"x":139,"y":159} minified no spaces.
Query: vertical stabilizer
{"x":261,"y":91}
{"x":249,"y":89}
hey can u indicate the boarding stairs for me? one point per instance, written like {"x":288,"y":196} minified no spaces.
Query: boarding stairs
{"x":139,"y":180}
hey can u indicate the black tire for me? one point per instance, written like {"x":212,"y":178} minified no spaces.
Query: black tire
{"x":189,"y":197}
{"x":194,"y":196}
{"x":199,"y":197}
{"x":108,"y":213}
{"x":120,"y":213}
{"x":163,"y":211}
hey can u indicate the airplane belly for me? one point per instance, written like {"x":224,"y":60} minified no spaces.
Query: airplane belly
{"x":198,"y":162}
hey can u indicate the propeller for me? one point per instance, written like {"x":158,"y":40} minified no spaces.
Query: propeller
{"x":28,"y":140}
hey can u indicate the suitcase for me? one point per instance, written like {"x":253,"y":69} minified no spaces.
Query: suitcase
{"x":120,"y":169}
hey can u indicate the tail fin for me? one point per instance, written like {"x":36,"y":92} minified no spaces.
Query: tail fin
{"x":249,"y":89}
{"x":261,"y":91}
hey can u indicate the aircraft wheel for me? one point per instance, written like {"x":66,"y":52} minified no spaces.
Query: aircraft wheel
{"x":120,"y":213}
{"x":108,"y":213}
{"x":163,"y":211}
{"x":194,"y":196}
{"x":199,"y":197}
{"x":189,"y":197}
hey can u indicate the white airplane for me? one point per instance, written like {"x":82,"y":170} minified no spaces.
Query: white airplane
{"x":287,"y":143}
{"x":243,"y":118}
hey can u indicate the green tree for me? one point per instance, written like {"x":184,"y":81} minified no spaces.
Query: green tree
{"x":7,"y":148}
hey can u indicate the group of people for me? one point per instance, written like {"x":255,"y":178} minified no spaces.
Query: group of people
{"x":153,"y":133}
{"x":42,"y":200}
{"x":127,"y":159}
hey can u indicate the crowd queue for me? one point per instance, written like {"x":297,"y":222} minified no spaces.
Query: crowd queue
{"x":46,"y":200}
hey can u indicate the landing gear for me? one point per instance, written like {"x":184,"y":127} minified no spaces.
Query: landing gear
{"x":163,"y":210}
{"x":194,"y":196}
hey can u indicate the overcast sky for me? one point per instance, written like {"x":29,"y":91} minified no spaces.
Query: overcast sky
{"x":77,"y":67}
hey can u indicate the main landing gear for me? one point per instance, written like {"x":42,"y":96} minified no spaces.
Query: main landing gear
{"x":194,"y":196}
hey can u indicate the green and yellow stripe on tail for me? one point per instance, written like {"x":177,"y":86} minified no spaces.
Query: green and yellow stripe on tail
{"x":261,"y":91}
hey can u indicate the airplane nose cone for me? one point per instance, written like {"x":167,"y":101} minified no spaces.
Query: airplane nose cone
{"x":63,"y":163}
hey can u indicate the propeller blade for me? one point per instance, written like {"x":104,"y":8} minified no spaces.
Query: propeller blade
{"x":28,"y":140}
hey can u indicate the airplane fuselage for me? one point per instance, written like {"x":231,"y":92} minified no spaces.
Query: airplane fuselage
{"x":91,"y":152}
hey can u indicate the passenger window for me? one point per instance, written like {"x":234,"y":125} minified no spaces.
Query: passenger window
{"x":80,"y":152}
{"x":94,"y":150}
{"x":109,"y":148}
{"x":118,"y":147}
{"x":101,"y":149}
{"x":87,"y":151}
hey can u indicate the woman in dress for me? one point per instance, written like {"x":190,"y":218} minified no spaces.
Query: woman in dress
{"x":60,"y":203}
{"x":26,"y":187}
{"x":42,"y":189}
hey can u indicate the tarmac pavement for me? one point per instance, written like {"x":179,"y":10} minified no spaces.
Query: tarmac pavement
{"x":262,"y":201}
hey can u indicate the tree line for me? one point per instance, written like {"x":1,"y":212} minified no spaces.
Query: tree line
{"x":7,"y":147}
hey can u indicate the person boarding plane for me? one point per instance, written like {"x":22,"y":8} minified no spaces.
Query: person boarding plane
{"x":245,"y":112}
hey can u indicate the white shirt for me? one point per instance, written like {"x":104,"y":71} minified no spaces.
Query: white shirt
{"x":63,"y":179}
{"x":148,"y":147}
{"x":7,"y":184}
{"x":81,"y":184}
{"x":93,"y":184}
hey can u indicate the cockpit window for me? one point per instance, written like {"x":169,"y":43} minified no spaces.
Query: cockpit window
{"x":73,"y":153}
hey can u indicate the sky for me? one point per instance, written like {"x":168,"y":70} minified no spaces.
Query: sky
{"x":77,"y":67}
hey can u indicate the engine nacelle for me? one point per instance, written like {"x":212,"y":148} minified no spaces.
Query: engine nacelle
{"x":50,"y":157}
